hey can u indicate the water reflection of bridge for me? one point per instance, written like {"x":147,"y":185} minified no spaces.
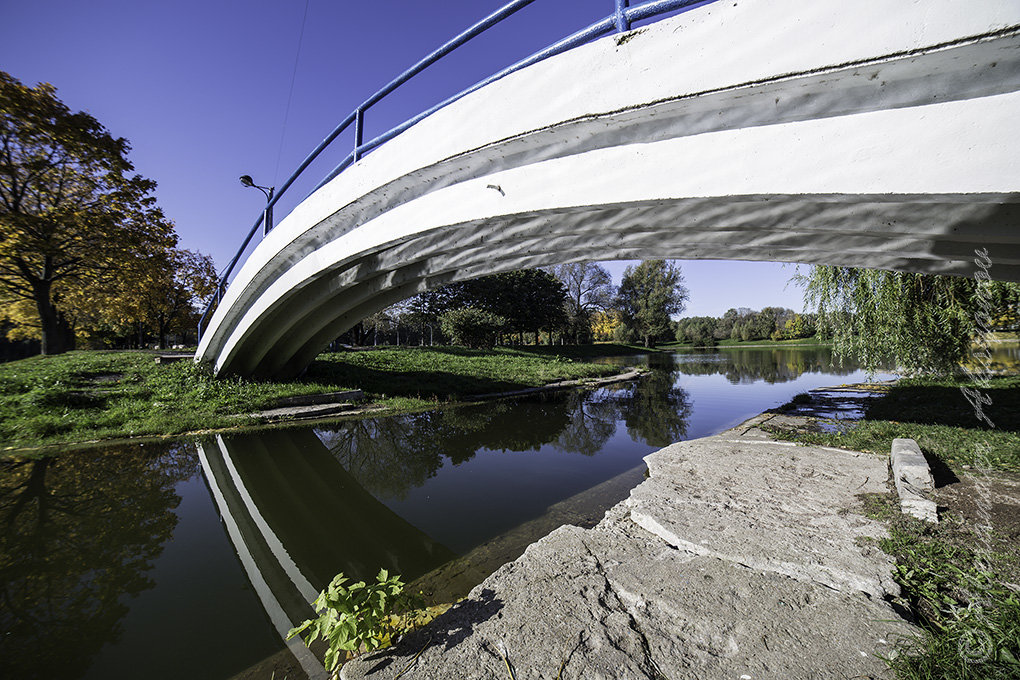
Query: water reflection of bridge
{"x":300,"y":505}
{"x":296,"y":518}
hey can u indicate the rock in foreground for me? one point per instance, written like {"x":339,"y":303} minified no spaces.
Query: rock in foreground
{"x":755,"y":566}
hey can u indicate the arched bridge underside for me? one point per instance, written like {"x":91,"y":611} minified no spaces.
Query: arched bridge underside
{"x":882,"y":133}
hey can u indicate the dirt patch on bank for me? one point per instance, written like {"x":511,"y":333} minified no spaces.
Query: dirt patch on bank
{"x":989,"y":503}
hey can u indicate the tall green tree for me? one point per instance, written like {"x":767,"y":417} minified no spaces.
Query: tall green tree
{"x":423,"y":310}
{"x":649,"y":294}
{"x":920,"y":323}
{"x":73,"y":217}
{"x":527,"y":299}
{"x":726,"y":322}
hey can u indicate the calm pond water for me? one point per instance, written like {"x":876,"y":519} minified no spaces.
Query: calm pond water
{"x":188,"y":560}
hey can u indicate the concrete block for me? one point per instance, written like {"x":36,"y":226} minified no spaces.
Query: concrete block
{"x":172,"y":358}
{"x":913,"y":479}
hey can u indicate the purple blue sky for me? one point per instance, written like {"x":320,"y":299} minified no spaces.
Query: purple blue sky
{"x":207,"y":90}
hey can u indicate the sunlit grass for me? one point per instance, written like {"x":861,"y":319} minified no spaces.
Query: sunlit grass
{"x":450,"y":372}
{"x":88,"y":395}
{"x":938,"y":415}
{"x":957,"y":587}
{"x":81,"y":396}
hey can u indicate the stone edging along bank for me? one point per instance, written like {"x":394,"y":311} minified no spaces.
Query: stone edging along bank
{"x":631,"y":374}
{"x":345,"y":407}
{"x":738,"y":557}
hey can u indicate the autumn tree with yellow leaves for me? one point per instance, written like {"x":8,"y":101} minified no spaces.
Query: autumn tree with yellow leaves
{"x":77,"y":226}
{"x":170,"y":291}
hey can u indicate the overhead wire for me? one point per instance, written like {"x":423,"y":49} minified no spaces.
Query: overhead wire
{"x":290,"y":94}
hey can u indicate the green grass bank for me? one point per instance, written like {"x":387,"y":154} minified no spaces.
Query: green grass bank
{"x":939,"y":416}
{"x":86,"y":396}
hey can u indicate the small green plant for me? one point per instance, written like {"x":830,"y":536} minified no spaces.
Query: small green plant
{"x":354,"y":618}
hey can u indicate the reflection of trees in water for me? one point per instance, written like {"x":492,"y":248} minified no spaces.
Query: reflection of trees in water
{"x":508,"y":425}
{"x":390,"y":456}
{"x":746,"y":366}
{"x":654,"y":408}
{"x":76,"y":534}
{"x":592,"y":417}
{"x":385,"y":455}
{"x":1004,"y":358}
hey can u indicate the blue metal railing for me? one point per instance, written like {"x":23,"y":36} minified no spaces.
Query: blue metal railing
{"x":620,"y":20}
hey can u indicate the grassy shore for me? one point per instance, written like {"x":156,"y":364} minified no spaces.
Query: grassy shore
{"x":960,"y":577}
{"x":937,"y":414}
{"x":450,"y":373}
{"x":87,"y":396}
{"x":959,"y":580}
{"x":730,"y":344}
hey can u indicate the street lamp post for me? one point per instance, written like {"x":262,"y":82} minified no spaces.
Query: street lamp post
{"x":267,"y":220}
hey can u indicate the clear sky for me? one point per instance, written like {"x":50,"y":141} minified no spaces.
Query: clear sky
{"x":207,"y":90}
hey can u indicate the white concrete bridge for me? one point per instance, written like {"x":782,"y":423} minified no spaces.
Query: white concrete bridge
{"x":881,"y":133}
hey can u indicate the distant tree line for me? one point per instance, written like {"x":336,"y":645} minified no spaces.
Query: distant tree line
{"x":505,"y":308}
{"x":572,"y":303}
{"x":771,"y":323}
{"x":920,"y":323}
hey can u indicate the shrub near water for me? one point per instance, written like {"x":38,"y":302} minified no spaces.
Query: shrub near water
{"x":472,"y":327}
{"x":352,"y":618}
{"x":361,"y":616}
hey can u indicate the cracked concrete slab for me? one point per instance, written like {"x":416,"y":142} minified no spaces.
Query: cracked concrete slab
{"x":757,"y":569}
{"x":704,"y":617}
{"x":769,"y":506}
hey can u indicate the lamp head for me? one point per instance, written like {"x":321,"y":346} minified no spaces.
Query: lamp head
{"x":246,"y":180}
